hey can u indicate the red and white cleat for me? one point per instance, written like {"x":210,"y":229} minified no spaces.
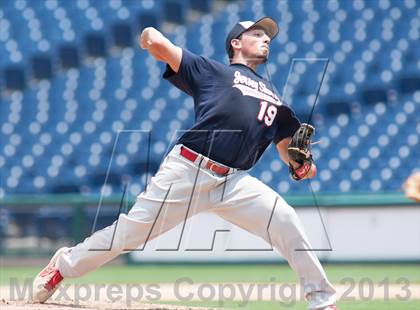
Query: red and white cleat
{"x":46,"y":282}
{"x":332,"y":307}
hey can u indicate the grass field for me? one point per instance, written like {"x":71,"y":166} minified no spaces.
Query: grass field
{"x":245,"y":273}
{"x":165,"y":273}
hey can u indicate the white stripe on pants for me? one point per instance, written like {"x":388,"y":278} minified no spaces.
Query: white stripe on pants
{"x":238,"y":198}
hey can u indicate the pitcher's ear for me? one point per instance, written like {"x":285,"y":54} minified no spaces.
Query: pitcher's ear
{"x":235,"y":43}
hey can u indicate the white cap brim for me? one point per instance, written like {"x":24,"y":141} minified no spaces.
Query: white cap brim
{"x":268,"y":24}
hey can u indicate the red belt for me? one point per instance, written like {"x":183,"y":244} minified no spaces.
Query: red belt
{"x":211,"y":165}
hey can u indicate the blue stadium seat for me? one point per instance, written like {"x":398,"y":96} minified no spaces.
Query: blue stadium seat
{"x":367,"y":109}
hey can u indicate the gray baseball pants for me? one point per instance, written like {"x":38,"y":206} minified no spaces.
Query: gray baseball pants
{"x":180,"y":190}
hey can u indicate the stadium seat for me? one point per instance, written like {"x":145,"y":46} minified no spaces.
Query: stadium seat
{"x":105,"y":86}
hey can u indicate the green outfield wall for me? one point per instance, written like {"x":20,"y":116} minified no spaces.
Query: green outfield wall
{"x":36,"y":225}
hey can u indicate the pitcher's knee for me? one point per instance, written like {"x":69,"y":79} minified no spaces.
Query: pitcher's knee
{"x":285,"y":227}
{"x":128,"y":234}
{"x":285,"y":215}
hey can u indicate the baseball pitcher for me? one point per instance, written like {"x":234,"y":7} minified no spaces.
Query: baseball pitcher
{"x":238,"y":114}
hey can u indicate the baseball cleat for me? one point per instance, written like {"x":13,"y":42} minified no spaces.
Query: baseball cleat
{"x":46,"y":282}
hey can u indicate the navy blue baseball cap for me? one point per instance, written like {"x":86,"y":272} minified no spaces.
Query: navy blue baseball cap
{"x":268,"y":24}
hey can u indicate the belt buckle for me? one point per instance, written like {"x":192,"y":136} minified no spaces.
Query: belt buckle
{"x":211,"y":164}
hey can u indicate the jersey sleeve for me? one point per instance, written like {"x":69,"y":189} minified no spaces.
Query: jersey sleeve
{"x":192,"y":71}
{"x":287,"y":124}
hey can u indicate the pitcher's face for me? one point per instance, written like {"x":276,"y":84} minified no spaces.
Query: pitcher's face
{"x":255,"y":45}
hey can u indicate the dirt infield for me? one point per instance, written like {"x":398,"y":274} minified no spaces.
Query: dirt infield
{"x":145,"y":297}
{"x":19,"y":305}
{"x":103,"y":297}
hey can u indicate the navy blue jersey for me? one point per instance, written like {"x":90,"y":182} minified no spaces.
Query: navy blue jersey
{"x":237,"y":113}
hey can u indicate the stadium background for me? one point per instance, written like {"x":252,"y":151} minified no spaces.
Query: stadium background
{"x":84,"y":113}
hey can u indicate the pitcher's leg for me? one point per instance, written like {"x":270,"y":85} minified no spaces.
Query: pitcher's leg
{"x":167,"y":201}
{"x":175,"y":193}
{"x":287,"y":235}
{"x":253,"y":206}
{"x":125,"y":234}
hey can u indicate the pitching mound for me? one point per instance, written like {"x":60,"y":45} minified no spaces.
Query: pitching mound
{"x":121,"y":296}
{"x":20,"y":305}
